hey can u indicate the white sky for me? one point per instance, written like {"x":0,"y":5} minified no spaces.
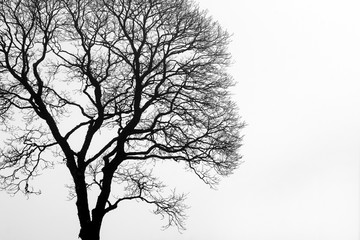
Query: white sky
{"x":297,"y":63}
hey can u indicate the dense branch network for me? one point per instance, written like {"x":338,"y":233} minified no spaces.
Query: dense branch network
{"x":139,"y":81}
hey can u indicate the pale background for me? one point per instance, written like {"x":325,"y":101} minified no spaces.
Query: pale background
{"x":297,"y":63}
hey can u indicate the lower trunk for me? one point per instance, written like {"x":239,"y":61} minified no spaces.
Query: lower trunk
{"x":90,"y":226}
{"x":90,"y":232}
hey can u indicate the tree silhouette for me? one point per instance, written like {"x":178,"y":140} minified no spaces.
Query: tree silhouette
{"x":110,"y":87}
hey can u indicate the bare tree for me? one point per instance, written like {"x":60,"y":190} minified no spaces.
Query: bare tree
{"x":110,"y":87}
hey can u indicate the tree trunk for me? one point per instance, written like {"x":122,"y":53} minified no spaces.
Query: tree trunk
{"x":90,"y":232}
{"x":90,"y":225}
{"x":89,"y":229}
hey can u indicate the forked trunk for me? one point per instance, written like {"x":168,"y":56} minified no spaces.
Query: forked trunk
{"x":90,"y":232}
{"x":90,"y":226}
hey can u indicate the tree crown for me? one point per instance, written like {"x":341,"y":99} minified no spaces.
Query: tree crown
{"x":110,"y":86}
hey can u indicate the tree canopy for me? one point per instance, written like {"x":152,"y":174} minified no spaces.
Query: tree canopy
{"x":109,"y":87}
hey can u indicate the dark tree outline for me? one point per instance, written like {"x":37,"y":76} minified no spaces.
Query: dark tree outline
{"x":156,"y":70}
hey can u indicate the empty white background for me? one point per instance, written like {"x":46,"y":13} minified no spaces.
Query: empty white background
{"x":297,"y":63}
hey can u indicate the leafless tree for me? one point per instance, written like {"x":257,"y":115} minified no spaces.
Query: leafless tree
{"x":110,"y":87}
